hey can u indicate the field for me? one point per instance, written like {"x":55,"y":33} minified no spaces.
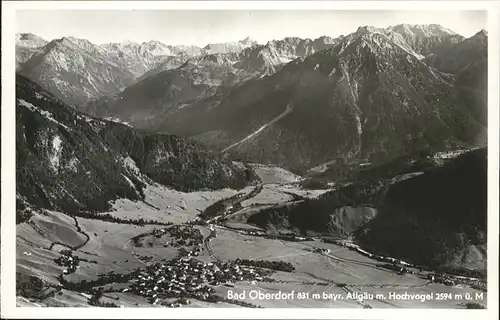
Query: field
{"x":342,"y":269}
{"x":166,"y":205}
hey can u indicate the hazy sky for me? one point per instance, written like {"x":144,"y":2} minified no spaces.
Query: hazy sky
{"x":202,"y":27}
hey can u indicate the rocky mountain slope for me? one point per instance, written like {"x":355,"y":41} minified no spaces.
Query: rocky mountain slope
{"x":265,"y":97}
{"x":130,"y":62}
{"x":265,"y":59}
{"x":270,"y":57}
{"x":29,"y":40}
{"x":468,"y":62}
{"x":230,"y":47}
{"x":461,"y":54}
{"x":76,"y":70}
{"x":27,"y":44}
{"x":141,"y":58}
{"x":167,"y":91}
{"x":427,"y":39}
{"x":71,"y":162}
{"x":207,"y":76}
{"x":368,"y":98}
{"x":99,"y":70}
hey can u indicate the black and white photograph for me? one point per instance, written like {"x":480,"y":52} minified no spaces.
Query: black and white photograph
{"x":287,"y":158}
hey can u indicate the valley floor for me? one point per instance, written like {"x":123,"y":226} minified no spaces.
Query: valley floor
{"x":325,"y":275}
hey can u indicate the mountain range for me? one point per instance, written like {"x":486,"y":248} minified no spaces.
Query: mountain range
{"x":60,"y":63}
{"x":252,"y":100}
{"x":370,"y":97}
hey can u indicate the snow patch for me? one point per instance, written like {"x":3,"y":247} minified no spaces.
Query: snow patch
{"x":129,"y":163}
{"x":406,"y":176}
{"x":40,"y":96}
{"x":332,"y":72}
{"x":117,"y":120}
{"x":287,"y":111}
{"x":449,"y":154}
{"x":359,"y":127}
{"x":130,"y":183}
{"x":162,"y":155}
{"x":72,"y":164}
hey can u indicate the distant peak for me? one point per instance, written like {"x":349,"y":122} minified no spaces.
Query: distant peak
{"x":154,"y":43}
{"x":25,"y":36}
{"x":426,"y":30}
{"x":70,"y":39}
{"x":129,"y":43}
{"x":482,"y":33}
{"x":247,"y":40}
{"x":365,"y":29}
{"x":30,"y":40}
{"x":63,"y":39}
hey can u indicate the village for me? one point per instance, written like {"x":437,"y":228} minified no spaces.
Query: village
{"x":188,"y":277}
{"x":182,"y":278}
{"x":176,"y":282}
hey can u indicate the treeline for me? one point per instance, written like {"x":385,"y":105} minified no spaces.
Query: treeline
{"x":274,"y":265}
{"x":32,"y":287}
{"x":95,"y":300}
{"x":84,"y":285}
{"x":23,"y":212}
{"x":186,"y":233}
{"x":220,"y":206}
{"x":192,"y":168}
{"x":216,"y":299}
{"x":287,"y":237}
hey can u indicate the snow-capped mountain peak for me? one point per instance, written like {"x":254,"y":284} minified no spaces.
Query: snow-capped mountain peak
{"x":365,"y":29}
{"x":420,"y":30}
{"x":248,"y":42}
{"x":483,"y":32}
{"x":230,"y":47}
{"x":29,"y":40}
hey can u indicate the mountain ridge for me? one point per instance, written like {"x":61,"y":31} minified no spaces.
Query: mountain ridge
{"x":204,"y":92}
{"x":367,"y":56}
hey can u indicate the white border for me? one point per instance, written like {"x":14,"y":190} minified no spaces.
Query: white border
{"x":7,"y":284}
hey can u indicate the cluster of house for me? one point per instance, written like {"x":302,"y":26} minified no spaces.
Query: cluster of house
{"x":452,"y":280}
{"x":183,"y":235}
{"x":403,"y":267}
{"x":441,"y":278}
{"x":191,"y":253}
{"x":187,"y":277}
{"x":180,"y":236}
{"x":287,"y":237}
{"x":356,"y":248}
{"x":258,"y":233}
{"x":67,"y":260}
{"x":145,"y":259}
{"x":321,"y":250}
{"x":400,"y":269}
